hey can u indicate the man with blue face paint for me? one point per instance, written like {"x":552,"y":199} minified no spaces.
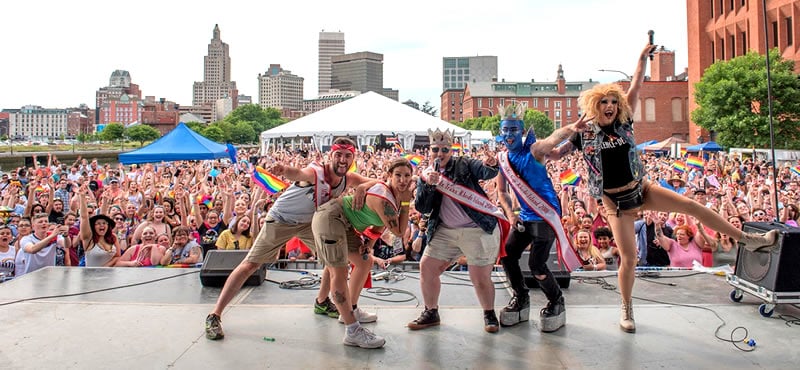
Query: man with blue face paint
{"x":537,"y":223}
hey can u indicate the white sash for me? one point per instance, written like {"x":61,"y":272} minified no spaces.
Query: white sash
{"x":542,"y":208}
{"x":322,"y":190}
{"x":476,"y":201}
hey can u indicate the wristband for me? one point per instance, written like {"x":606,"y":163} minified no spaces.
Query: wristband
{"x":371,"y":234}
{"x":405,"y":204}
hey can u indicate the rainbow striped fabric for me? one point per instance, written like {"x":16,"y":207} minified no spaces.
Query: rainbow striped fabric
{"x":679,"y":166}
{"x":457,"y":147}
{"x":268,"y":181}
{"x":415,"y":159}
{"x":206,"y":200}
{"x":569,"y":177}
{"x":399,"y":148}
{"x":695,"y":162}
{"x":353,"y":167}
{"x":796,"y":170}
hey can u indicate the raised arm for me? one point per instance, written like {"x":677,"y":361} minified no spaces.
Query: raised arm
{"x":638,"y":77}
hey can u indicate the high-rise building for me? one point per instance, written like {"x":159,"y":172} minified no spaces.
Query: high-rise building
{"x":457,"y":71}
{"x":326,"y":100}
{"x":216,"y":82}
{"x":361,"y":72}
{"x":721,"y":30}
{"x":118,"y":84}
{"x":279,"y":88}
{"x":330,"y":44}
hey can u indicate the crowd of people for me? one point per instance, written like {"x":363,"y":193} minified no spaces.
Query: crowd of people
{"x":471,"y":209}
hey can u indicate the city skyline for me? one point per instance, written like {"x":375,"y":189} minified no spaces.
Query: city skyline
{"x":165,"y":58}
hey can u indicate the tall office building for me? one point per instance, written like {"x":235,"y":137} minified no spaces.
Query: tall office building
{"x":457,"y":71}
{"x":216,"y":82}
{"x":279,"y":88}
{"x":361,"y":72}
{"x":330,"y":44}
{"x":118,"y":84}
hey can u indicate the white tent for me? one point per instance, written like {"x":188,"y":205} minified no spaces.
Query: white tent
{"x":364,"y":117}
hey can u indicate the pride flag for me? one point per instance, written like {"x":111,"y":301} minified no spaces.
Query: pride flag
{"x":683,"y":152}
{"x":569,"y":177}
{"x":268,"y":181}
{"x":399,"y":148}
{"x":370,"y":149}
{"x":413,"y":158}
{"x":679,"y":166}
{"x":796,"y":170}
{"x":695,"y":162}
{"x":457,"y":147}
{"x":353,"y":167}
{"x":204,"y":199}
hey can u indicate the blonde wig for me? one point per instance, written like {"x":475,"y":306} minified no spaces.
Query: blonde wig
{"x":589,"y":101}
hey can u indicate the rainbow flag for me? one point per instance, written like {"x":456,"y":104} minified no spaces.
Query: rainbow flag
{"x":370,"y":149}
{"x":569,"y":177}
{"x":457,"y":147}
{"x":398,"y":147}
{"x":415,"y":159}
{"x":679,"y":166}
{"x":695,"y":162}
{"x":353,"y":167}
{"x":268,"y":181}
{"x":796,"y":170}
{"x":683,"y":152}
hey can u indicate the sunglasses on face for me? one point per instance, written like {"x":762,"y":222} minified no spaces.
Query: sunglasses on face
{"x":606,"y":101}
{"x":759,"y":214}
{"x":437,"y":149}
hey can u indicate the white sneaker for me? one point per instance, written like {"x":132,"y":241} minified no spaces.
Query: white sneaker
{"x":362,"y":316}
{"x":363,"y":338}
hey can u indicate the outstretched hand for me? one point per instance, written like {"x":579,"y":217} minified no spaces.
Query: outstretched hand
{"x":582,"y":124}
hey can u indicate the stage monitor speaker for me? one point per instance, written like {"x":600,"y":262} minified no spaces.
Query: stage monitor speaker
{"x":777,"y":270}
{"x":219,"y":264}
{"x":559,"y":271}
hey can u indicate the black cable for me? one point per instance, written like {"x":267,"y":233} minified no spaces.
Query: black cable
{"x":98,"y":290}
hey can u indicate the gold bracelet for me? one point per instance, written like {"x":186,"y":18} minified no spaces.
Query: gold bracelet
{"x":405,"y":204}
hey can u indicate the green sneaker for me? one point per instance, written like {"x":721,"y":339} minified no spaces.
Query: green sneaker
{"x":214,"y":327}
{"x":326,"y":308}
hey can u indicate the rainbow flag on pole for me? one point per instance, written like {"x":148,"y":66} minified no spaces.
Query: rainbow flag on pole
{"x":679,"y":166}
{"x":415,"y":159}
{"x":796,"y":170}
{"x":457,"y":147}
{"x":569,"y":177}
{"x":695,"y":162}
{"x":268,"y":181}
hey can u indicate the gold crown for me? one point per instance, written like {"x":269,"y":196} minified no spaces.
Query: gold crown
{"x":439,"y":137}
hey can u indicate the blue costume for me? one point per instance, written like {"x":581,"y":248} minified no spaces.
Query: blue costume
{"x":535,"y":231}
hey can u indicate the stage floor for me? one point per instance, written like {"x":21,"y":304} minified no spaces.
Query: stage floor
{"x":156,"y":321}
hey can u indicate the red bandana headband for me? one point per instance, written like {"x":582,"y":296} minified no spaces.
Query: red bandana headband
{"x":349,"y":147}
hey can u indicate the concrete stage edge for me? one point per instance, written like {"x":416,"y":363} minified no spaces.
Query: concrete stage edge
{"x":159,"y":325}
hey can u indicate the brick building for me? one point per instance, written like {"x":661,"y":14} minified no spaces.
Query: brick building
{"x":161,"y":114}
{"x":721,"y":30}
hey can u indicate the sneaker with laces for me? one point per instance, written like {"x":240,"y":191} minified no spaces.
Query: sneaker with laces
{"x":214,"y":327}
{"x":364,"y":338}
{"x":518,"y":310}
{"x":759,"y":242}
{"x":362,"y":316}
{"x":428,"y":318}
{"x":553,"y":316}
{"x":490,"y":323}
{"x":326,"y":308}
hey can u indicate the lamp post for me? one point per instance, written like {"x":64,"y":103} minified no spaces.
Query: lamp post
{"x":627,"y":76}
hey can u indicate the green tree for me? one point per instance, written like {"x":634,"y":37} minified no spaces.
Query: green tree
{"x":112,"y":132}
{"x":142,"y":133}
{"x":542,"y":125}
{"x":427,"y":108}
{"x":242,"y":133}
{"x":261,"y":119}
{"x":214,"y":133}
{"x":196,"y":126}
{"x":732,"y":100}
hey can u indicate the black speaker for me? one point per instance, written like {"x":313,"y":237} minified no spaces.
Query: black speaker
{"x":777,"y":270}
{"x":219,"y":264}
{"x":559,"y":271}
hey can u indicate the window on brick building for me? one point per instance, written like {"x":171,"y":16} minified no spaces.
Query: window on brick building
{"x":733,"y":46}
{"x":546,"y":102}
{"x":637,"y":112}
{"x":744,"y":43}
{"x":775,"y":34}
{"x":650,"y":109}
{"x":677,"y":110}
{"x":789,"y":38}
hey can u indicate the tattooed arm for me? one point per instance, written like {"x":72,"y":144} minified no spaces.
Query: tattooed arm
{"x":396,"y":220}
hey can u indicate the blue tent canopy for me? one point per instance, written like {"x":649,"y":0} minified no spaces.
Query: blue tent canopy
{"x":644,"y":144}
{"x":708,"y":146}
{"x":178,"y":145}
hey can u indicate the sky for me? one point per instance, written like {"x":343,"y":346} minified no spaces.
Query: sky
{"x":57,"y":53}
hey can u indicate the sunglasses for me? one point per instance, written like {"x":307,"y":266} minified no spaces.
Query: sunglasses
{"x":759,"y":214}
{"x":605,"y":101}
{"x":435,"y":149}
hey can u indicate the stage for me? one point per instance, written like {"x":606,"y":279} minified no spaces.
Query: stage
{"x":159,"y":325}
